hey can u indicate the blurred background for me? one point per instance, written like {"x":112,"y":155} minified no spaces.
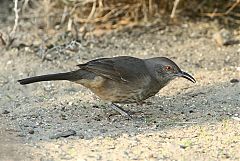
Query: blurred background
{"x":54,"y":22}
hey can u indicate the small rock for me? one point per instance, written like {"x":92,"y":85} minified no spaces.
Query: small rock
{"x":63,"y":117}
{"x":97,"y":119}
{"x":70,"y":103}
{"x":183,"y":146}
{"x":175,"y":38}
{"x":236,"y":118}
{"x":224,"y":38}
{"x":221,"y":37}
{"x":31,"y":131}
{"x":5,"y":112}
{"x":80,"y":136}
{"x":57,"y":27}
{"x":95,"y":106}
{"x":63,"y":134}
{"x":191,"y":111}
{"x":234,"y":80}
{"x":236,"y":114}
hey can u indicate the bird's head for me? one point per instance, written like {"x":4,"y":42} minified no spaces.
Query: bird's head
{"x":165,"y":70}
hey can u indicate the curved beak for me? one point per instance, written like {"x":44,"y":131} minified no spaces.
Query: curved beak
{"x":186,"y":76}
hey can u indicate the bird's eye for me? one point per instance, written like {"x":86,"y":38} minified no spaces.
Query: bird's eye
{"x":168,"y":67}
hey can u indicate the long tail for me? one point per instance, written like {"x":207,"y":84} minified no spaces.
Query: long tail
{"x":74,"y":75}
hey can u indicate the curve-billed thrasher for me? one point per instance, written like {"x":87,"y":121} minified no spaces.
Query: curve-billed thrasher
{"x":121,"y":79}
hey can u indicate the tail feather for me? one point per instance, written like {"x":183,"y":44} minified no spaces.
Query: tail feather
{"x":49,"y":77}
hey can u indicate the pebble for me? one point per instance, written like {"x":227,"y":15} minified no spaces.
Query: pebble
{"x":222,"y":37}
{"x":5,"y":112}
{"x":80,"y":136}
{"x":191,"y":111}
{"x":64,"y":134}
{"x":234,"y":80}
{"x":70,"y":103}
{"x":236,"y":118}
{"x":183,"y":146}
{"x":31,"y":131}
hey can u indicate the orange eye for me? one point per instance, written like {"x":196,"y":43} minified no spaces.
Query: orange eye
{"x":168,"y":67}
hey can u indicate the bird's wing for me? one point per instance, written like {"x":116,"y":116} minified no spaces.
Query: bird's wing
{"x":124,"y":68}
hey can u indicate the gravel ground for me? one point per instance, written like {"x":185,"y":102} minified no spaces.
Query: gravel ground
{"x":184,"y":121}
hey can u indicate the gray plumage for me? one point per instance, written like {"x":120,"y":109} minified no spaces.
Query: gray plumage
{"x":121,"y":79}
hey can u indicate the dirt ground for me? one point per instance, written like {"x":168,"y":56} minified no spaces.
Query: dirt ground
{"x":184,"y":121}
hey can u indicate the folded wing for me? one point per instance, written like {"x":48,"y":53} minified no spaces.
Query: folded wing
{"x":124,"y":68}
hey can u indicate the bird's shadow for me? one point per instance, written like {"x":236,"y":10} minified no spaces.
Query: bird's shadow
{"x":90,"y":119}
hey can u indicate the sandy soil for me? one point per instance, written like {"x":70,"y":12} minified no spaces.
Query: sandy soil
{"x":184,"y":121}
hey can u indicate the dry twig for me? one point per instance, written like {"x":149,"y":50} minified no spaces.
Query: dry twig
{"x":16,"y":10}
{"x":2,"y":41}
{"x":174,"y":8}
{"x":232,"y":7}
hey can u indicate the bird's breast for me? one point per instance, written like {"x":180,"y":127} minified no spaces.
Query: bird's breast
{"x":117,"y":91}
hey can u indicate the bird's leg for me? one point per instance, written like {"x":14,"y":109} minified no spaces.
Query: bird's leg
{"x":121,"y":111}
{"x":140,"y":103}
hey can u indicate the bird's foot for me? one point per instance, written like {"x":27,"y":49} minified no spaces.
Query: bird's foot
{"x":121,"y":111}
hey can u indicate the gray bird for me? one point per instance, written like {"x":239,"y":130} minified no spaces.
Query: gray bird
{"x":122,"y":79}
